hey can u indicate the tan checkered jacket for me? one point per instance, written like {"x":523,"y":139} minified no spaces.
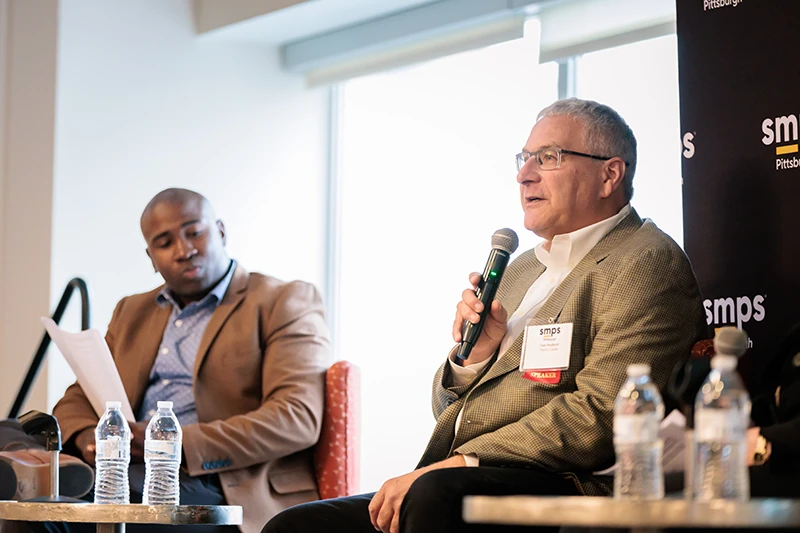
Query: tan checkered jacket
{"x":632,"y":299}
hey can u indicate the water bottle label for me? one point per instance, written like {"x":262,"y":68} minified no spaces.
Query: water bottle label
{"x":719,"y":425}
{"x":161,"y":449}
{"x":109,"y":449}
{"x":635,"y":428}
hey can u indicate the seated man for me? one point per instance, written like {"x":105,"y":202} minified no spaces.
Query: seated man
{"x":774,"y":448}
{"x":241,"y":355}
{"x":625,"y":286}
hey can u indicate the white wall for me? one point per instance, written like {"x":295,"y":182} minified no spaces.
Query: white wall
{"x":28,"y":39}
{"x":142,"y":105}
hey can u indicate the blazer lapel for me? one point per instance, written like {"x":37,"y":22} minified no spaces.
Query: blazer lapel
{"x":624,"y":229}
{"x":529,"y":270}
{"x":155,"y":324}
{"x":233,"y":296}
{"x":551,"y":309}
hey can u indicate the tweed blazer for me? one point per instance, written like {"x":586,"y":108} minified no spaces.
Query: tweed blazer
{"x":258,"y":388}
{"x":632,"y":299}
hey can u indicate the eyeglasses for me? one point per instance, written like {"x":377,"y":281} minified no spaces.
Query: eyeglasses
{"x":550,"y":158}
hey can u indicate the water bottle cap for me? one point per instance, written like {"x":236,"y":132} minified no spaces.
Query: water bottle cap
{"x":724,"y":362}
{"x":164,"y":405}
{"x":638,"y":370}
{"x":113,"y":405}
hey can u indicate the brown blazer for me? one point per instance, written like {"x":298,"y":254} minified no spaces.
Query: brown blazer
{"x":632,"y":299}
{"x":258,"y":387}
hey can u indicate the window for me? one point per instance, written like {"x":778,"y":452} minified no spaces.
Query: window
{"x":427,"y":176}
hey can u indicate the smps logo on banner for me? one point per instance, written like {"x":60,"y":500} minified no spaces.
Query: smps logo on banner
{"x":740,"y":101}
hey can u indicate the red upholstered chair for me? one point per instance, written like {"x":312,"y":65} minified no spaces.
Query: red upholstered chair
{"x":703,"y":349}
{"x":336,"y":458}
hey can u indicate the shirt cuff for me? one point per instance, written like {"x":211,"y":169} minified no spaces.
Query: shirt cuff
{"x":464,"y":374}
{"x":471,"y":459}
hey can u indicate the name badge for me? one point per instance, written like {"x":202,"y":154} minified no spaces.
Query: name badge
{"x":546,"y":347}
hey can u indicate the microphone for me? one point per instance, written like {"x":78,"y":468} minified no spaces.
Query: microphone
{"x":688,"y":377}
{"x":730,"y":341}
{"x":504,"y":243}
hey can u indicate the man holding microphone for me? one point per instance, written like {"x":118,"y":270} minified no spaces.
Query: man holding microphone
{"x":605,"y":289}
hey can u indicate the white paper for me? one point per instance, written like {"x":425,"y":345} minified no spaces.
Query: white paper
{"x":672,"y":432}
{"x":90,"y":359}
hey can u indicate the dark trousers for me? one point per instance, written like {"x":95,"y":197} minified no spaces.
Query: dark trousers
{"x":766,"y":481}
{"x":432,"y":504}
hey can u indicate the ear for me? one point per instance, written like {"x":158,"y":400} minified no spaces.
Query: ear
{"x":221,"y":228}
{"x":613,"y":174}
{"x":147,"y":251}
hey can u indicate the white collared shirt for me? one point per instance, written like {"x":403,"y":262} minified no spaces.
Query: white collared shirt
{"x":566,"y":251}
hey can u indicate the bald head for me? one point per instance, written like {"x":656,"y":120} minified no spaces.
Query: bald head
{"x":185,"y":242}
{"x":177,"y":196}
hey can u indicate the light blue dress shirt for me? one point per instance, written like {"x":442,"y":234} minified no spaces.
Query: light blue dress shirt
{"x":172,"y":373}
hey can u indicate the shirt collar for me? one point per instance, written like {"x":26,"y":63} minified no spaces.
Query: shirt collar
{"x":164,"y":297}
{"x":568,"y":249}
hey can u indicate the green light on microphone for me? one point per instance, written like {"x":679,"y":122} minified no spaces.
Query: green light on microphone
{"x":492,"y":273}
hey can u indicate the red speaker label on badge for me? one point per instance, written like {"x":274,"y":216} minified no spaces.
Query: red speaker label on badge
{"x":543,"y":376}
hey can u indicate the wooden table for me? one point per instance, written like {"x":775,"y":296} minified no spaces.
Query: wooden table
{"x":112,"y":518}
{"x":585,"y":511}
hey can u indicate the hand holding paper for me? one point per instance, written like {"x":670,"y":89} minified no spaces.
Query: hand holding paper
{"x":90,"y":359}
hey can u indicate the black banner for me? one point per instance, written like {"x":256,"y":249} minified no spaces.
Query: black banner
{"x":740,"y":101}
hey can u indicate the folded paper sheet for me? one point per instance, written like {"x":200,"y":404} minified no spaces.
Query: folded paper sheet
{"x":672,"y":432}
{"x":90,"y":359}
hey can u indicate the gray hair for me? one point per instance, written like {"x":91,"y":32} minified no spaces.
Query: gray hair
{"x":606,"y":132}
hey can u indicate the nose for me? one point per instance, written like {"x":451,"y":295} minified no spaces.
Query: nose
{"x":185,"y":249}
{"x":528,"y":172}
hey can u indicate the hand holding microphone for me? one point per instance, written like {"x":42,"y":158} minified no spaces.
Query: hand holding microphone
{"x":478,"y":312}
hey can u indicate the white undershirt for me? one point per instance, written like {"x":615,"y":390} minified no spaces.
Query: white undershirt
{"x":566,"y":251}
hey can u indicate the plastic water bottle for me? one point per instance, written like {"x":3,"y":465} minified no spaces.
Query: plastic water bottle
{"x":722,"y":415}
{"x":162,"y":458}
{"x":638,"y":411}
{"x":113,"y":440}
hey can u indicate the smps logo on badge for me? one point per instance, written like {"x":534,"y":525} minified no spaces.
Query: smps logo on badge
{"x":782,"y":132}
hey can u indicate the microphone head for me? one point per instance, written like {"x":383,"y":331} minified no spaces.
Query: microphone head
{"x":506,"y":240}
{"x":730,"y":341}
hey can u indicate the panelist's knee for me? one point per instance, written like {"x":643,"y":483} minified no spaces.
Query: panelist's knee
{"x":284,"y":522}
{"x":434,"y":499}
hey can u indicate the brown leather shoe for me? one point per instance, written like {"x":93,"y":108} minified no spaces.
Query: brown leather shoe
{"x":32,"y":470}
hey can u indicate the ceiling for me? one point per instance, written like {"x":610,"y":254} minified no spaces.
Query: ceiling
{"x":307,"y":18}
